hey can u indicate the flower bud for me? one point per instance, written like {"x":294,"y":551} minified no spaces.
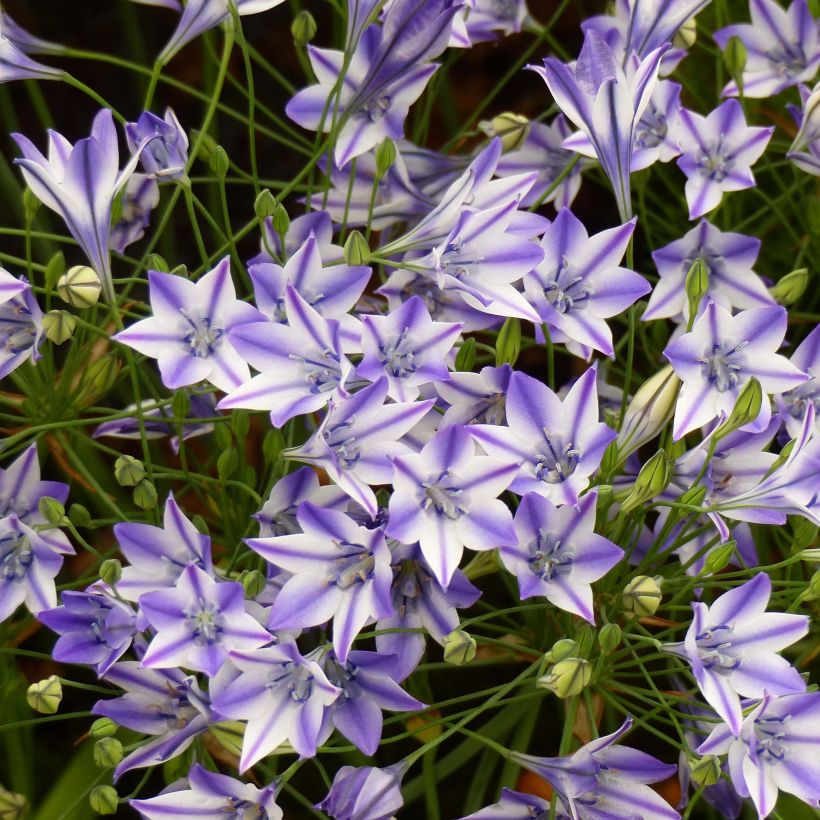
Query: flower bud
{"x":686,"y":35}
{"x":52,"y":510}
{"x":734,"y":57}
{"x":79,"y":286}
{"x":103,"y":727}
{"x":718,"y":558}
{"x":265,"y":204}
{"x":303,"y":28}
{"x":804,"y":532}
{"x":567,"y":678}
{"x":694,"y":496}
{"x":697,"y":286}
{"x":584,"y":638}
{"x":31,"y":204}
{"x":511,"y":128}
{"x":13,"y":806}
{"x":59,"y":326}
{"x":791,"y":287}
{"x":104,"y":799}
{"x":79,"y":516}
{"x":157,"y":263}
{"x":508,"y":344}
{"x":98,"y":379}
{"x":357,"y":251}
{"x":651,"y":481}
{"x":385,"y":156}
{"x":459,"y":647}
{"x":746,"y":409}
{"x":45,"y":695}
{"x":108,"y":753}
{"x":465,"y":358}
{"x":111,"y":571}
{"x":280,"y":219}
{"x":705,"y":771}
{"x":812,"y":591}
{"x":253,"y":582}
{"x":642,"y":595}
{"x":652,"y":406}
{"x":128,"y":471}
{"x":560,"y":650}
{"x":145,"y":495}
{"x":219,"y":162}
{"x":609,"y":637}
{"x":55,"y":268}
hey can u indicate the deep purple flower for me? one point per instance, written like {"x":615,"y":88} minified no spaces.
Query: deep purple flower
{"x":166,"y":154}
{"x":188,"y":332}
{"x":558,"y":444}
{"x":21,"y":323}
{"x":804,"y":151}
{"x":140,"y":197}
{"x":365,"y":793}
{"x":514,"y":806}
{"x":794,"y":403}
{"x":718,"y":152}
{"x":732,"y":645}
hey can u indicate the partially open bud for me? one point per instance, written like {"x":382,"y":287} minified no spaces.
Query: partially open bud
{"x":13,"y":806}
{"x":108,"y":753}
{"x":697,"y":286}
{"x":705,"y":771}
{"x":45,"y":695}
{"x":356,"y":251}
{"x":80,"y":286}
{"x":111,"y":571}
{"x":511,"y":128}
{"x":104,"y":799}
{"x":791,"y":287}
{"x":651,"y":481}
{"x":642,"y":595}
{"x":145,"y":495}
{"x":103,"y":727}
{"x":746,"y":409}
{"x":459,"y":647}
{"x":609,"y":637}
{"x":651,"y":408}
{"x":567,"y":678}
{"x":52,"y":510}
{"x":128,"y":471}
{"x":59,"y":326}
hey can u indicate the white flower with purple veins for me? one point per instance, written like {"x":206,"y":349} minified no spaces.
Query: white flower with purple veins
{"x":188,"y":332}
{"x":282,"y":696}
{"x":718,"y":153}
{"x":212,"y":796}
{"x":776,"y":750}
{"x":140,"y":197}
{"x":166,"y":154}
{"x":408,"y":348}
{"x":358,"y":438}
{"x":558,"y":444}
{"x":728,"y":258}
{"x":301,"y":363}
{"x":15,"y":64}
{"x":579,"y":284}
{"x":782,"y":48}
{"x":794,"y":404}
{"x":558,"y":555}
{"x":341,"y":571}
{"x":482,"y":20}
{"x":21,"y":323}
{"x":732,"y":649}
{"x":804,"y":151}
{"x":198,"y":622}
{"x":515,"y":806}
{"x":475,"y":398}
{"x":720,"y":355}
{"x":21,"y":490}
{"x":365,"y":793}
{"x":446,"y":498}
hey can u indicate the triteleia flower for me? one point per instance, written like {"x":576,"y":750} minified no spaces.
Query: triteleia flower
{"x":794,"y":403}
{"x":21,"y":323}
{"x":718,"y":152}
{"x":718,"y":358}
{"x":317,"y":224}
{"x":15,"y":64}
{"x":212,"y":796}
{"x":140,"y":197}
{"x":445,"y":497}
{"x":605,"y":781}
{"x":606,"y":104}
{"x":482,"y":20}
{"x":558,"y":444}
{"x":804,"y":151}
{"x":475,"y":398}
{"x":25,"y":40}
{"x":732,"y":645}
{"x":166,"y":154}
{"x":21,"y":489}
{"x":782,"y":48}
{"x":774,"y":751}
{"x":365,"y":793}
{"x":514,"y":806}
{"x":80,"y":182}
{"x":188,"y":332}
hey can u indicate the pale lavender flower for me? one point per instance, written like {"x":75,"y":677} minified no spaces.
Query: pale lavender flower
{"x":365,"y":793}
{"x":165,"y":154}
{"x":80,"y":182}
{"x":804,"y":151}
{"x":719,"y":356}
{"x":211,"y":796}
{"x":606,"y":104}
{"x":317,"y":224}
{"x":282,"y":696}
{"x":445,"y":497}
{"x":558,"y":444}
{"x":21,"y":490}
{"x":21,"y":324}
{"x":482,"y":20}
{"x":718,"y":152}
{"x":174,"y":5}
{"x":339,"y":570}
{"x":140,"y":197}
{"x":731,"y":647}
{"x":514,"y":806}
{"x":782,"y":47}
{"x":15,"y":64}
{"x":578,"y":285}
{"x":793,"y":404}
{"x":728,"y":258}
{"x":188,"y":332}
{"x":475,"y":398}
{"x":776,"y":750}
{"x":25,"y":40}
{"x":558,"y":555}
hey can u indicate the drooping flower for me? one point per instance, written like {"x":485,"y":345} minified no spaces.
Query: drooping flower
{"x":15,"y":64}
{"x":794,"y":403}
{"x":721,"y":353}
{"x":365,"y":793}
{"x":166,"y":154}
{"x":732,"y":645}
{"x":188,"y":331}
{"x":718,"y":152}
{"x":21,"y":323}
{"x":804,"y":151}
{"x":140,"y":197}
{"x":25,"y":40}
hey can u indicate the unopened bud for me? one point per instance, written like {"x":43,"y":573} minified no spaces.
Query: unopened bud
{"x":51,"y":510}
{"x":103,"y":727}
{"x":385,"y":156}
{"x":128,"y":471}
{"x":567,"y":678}
{"x":804,"y":533}
{"x":59,"y":326}
{"x":104,"y":799}
{"x":98,"y":378}
{"x":45,"y":695}
{"x":651,"y":481}
{"x":219,"y":162}
{"x":585,"y":638}
{"x":145,"y":495}
{"x":642,"y":595}
{"x":694,"y":496}
{"x":356,"y":251}
{"x":696,"y":285}
{"x":650,"y":410}
{"x":746,"y":409}
{"x":303,"y":28}
{"x":157,"y":263}
{"x":609,"y":637}
{"x":718,"y":558}
{"x":791,"y":287}
{"x":111,"y":571}
{"x":55,"y":268}
{"x":108,"y":753}
{"x":13,"y":806}
{"x":79,"y":516}
{"x":465,"y":358}
{"x":31,"y":204}
{"x":512,"y":129}
{"x":280,"y":220}
{"x":705,"y":771}
{"x":265,"y":204}
{"x":253,"y":582}
{"x":686,"y":35}
{"x":561,"y":649}
{"x":734,"y":57}
{"x":812,"y":591}
{"x":80,"y":286}
{"x":508,"y":344}
{"x":459,"y":647}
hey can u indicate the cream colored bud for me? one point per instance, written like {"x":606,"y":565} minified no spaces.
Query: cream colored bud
{"x":567,"y":678}
{"x":651,"y":408}
{"x":59,"y":326}
{"x":642,"y":595}
{"x":13,"y":806}
{"x":459,"y":647}
{"x":45,"y":695}
{"x":686,"y":35}
{"x":511,"y":128}
{"x":80,"y":286}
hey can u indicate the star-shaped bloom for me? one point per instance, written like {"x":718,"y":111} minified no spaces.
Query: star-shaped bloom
{"x":365,"y":793}
{"x":165,"y":155}
{"x":728,"y":258}
{"x":445,"y":497}
{"x":21,"y":323}
{"x":558,"y":555}
{"x":732,"y":648}
{"x":579,"y":284}
{"x":558,"y":444}
{"x":804,"y":151}
{"x":475,"y":398}
{"x":301,"y":364}
{"x":718,"y":152}
{"x":794,"y":403}
{"x":776,"y":750}
{"x":188,"y":332}
{"x":719,"y":356}
{"x":782,"y":48}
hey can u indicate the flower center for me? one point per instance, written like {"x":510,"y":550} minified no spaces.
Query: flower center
{"x":549,"y":558}
{"x":716,"y":161}
{"x":555,"y":462}
{"x":16,"y":556}
{"x":17,"y":328}
{"x":789,"y":60}
{"x":297,"y":678}
{"x":202,"y":337}
{"x":452,"y":261}
{"x":719,"y":368}
{"x":770,"y":739}
{"x":397,"y":357}
{"x":565,"y":292}
{"x":353,"y":566}
{"x":322,"y":371}
{"x":205,"y":622}
{"x":714,"y":648}
{"x":177,"y":711}
{"x":652,"y":129}
{"x":443,"y":496}
{"x":375,"y":109}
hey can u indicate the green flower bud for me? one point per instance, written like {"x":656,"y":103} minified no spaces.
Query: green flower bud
{"x":207,"y":144}
{"x":746,"y":409}
{"x":511,"y":128}
{"x":385,"y":156}
{"x":52,"y":510}
{"x":697,"y":286}
{"x":734,"y":57}
{"x":13,"y":806}
{"x":812,"y":591}
{"x":240,"y":424}
{"x":227,"y":463}
{"x":265,"y":204}
{"x":59,"y":326}
{"x":357,"y":251}
{"x":111,"y":571}
{"x":180,"y":404}
{"x":508,"y":344}
{"x":253,"y":582}
{"x":45,"y":695}
{"x":280,"y":220}
{"x":459,"y":647}
{"x":98,"y":379}
{"x":651,"y":481}
{"x":693,"y":496}
{"x":272,"y":446}
{"x":145,"y":495}
{"x":609,"y":637}
{"x":584,"y":638}
{"x":686,"y":35}
{"x":705,"y":771}
{"x":104,"y":799}
{"x":108,"y":753}
{"x":31,"y":204}
{"x":128,"y":471}
{"x":567,"y":678}
{"x":103,"y":727}
{"x":80,"y":286}
{"x":718,"y":558}
{"x":303,"y":28}
{"x":561,"y":649}
{"x":791,"y":287}
{"x":200,"y":524}
{"x":642,"y":595}
{"x":79,"y":516}
{"x":54,"y":270}
{"x":650,"y":410}
{"x":157,"y":263}
{"x":465,"y":358}
{"x":219,"y":162}
{"x":804,"y":532}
